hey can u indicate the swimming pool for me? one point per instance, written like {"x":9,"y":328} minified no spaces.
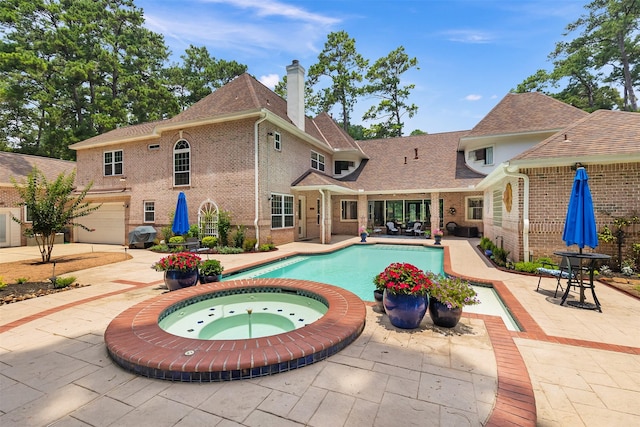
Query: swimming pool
{"x":353,"y":268}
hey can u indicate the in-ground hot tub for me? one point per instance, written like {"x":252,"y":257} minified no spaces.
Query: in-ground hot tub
{"x":137,"y":343}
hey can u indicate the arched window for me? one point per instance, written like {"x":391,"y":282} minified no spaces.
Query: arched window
{"x":181,"y":163}
{"x":208,"y":216}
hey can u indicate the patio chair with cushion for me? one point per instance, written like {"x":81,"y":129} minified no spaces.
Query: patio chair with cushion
{"x":568,"y":270}
{"x":416,"y":230}
{"x":391,"y":228}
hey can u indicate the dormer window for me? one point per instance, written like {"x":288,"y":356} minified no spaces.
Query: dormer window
{"x":484,"y":155}
{"x":342,"y":165}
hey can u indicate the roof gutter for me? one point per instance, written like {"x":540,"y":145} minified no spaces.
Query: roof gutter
{"x":511,"y":171}
{"x":256,"y":175}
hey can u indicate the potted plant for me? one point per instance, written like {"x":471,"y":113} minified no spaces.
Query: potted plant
{"x":405,"y":295}
{"x":437,"y":235}
{"x":447,"y":296}
{"x":180,"y":269}
{"x":210,"y":271}
{"x":427,"y":234}
{"x":363,"y":234}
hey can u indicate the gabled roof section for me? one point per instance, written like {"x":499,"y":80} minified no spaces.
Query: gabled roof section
{"x":18,"y":166}
{"x":526,"y":112}
{"x":393,"y":166}
{"x":241,"y":94}
{"x":602,"y":133}
{"x":333,"y":134}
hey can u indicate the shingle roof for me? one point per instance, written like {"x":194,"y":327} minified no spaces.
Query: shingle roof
{"x":526,"y":112}
{"x":244,"y":93}
{"x":19,"y":166}
{"x":438,"y":166}
{"x":601,"y":133}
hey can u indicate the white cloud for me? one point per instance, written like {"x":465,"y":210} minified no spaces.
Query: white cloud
{"x":276,"y":8}
{"x":270,"y":80}
{"x":469,"y":36}
{"x":473,"y":97}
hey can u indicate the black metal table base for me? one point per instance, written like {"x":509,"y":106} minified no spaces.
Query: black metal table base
{"x":584,"y":305}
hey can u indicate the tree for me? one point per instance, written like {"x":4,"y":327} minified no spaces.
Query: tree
{"x":75,"y":69}
{"x":344,"y":67}
{"x":384,"y":77}
{"x":418,"y":132}
{"x":51,"y":207}
{"x":605,"y":55}
{"x":199,"y":75}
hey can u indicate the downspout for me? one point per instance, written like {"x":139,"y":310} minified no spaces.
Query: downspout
{"x":256,"y":175}
{"x":322,"y":240}
{"x":525,"y":208}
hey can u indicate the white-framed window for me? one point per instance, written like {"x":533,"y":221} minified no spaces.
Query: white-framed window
{"x":112,"y":163}
{"x":28,"y":216}
{"x":317,"y":161}
{"x":149,"y":211}
{"x":181,"y":163}
{"x":484,"y":155}
{"x":349,"y":210}
{"x":281,"y":211}
{"x":474,"y":208}
{"x":277,"y":141}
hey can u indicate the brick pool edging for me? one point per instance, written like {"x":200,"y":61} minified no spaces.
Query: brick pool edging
{"x":136,"y":342}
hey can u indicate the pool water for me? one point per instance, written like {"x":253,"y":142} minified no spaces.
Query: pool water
{"x":245,"y":315}
{"x":353,"y":268}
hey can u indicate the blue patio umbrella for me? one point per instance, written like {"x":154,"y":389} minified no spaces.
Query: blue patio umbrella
{"x":580,"y":224}
{"x":181,"y":218}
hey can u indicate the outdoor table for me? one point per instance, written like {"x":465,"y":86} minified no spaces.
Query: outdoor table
{"x":591,"y":260}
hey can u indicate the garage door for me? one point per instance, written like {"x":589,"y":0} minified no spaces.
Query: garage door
{"x":107,"y":223}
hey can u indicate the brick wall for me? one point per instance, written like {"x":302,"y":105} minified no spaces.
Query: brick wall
{"x":615,"y":190}
{"x":222,"y":170}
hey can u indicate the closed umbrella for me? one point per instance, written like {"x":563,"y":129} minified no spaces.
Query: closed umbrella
{"x":181,"y":218}
{"x":580,"y":224}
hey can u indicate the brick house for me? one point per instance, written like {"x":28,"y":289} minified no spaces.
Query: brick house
{"x":18,"y":166}
{"x":287,"y":177}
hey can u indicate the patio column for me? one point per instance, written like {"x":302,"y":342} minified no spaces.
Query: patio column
{"x":435,"y":211}
{"x":363,"y":219}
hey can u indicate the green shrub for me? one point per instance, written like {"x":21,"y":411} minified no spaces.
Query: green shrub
{"x":21,"y":280}
{"x":500,"y":256}
{"x":159,"y":248}
{"x":224,"y":224}
{"x":527,"y":267}
{"x":63,"y":282}
{"x":249,"y":244}
{"x":266,"y":247}
{"x":176,"y":239}
{"x":194,"y":231}
{"x":2,"y":283}
{"x":485,"y":243}
{"x":229,"y":250}
{"x":210,"y":242}
{"x":238,"y":237}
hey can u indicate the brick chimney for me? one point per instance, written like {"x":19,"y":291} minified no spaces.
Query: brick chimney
{"x":295,"y":93}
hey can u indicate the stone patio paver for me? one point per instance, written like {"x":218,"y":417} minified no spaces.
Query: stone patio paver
{"x":583,"y":366}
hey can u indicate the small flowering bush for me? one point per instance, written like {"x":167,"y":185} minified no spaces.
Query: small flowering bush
{"x":183,"y":261}
{"x":452,"y":291}
{"x":403,"y":279}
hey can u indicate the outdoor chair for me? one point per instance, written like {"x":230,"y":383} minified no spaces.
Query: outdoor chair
{"x":391,"y":228}
{"x":416,"y":230}
{"x":569,"y":269}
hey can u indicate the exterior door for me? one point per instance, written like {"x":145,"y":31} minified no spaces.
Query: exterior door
{"x":4,"y":229}
{"x":302,"y":217}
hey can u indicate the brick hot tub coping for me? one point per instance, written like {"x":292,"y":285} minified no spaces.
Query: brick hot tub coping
{"x":136,"y":342}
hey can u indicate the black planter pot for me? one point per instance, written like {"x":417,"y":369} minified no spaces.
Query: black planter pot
{"x":441,"y":315}
{"x":210,"y":279}
{"x":377,"y":296}
{"x":176,"y":279}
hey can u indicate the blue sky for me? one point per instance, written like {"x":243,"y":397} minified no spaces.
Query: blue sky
{"x":471,"y":53}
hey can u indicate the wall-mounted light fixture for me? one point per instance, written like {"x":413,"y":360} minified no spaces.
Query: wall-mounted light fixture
{"x":123,"y":179}
{"x":452,"y":210}
{"x":576,"y":166}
